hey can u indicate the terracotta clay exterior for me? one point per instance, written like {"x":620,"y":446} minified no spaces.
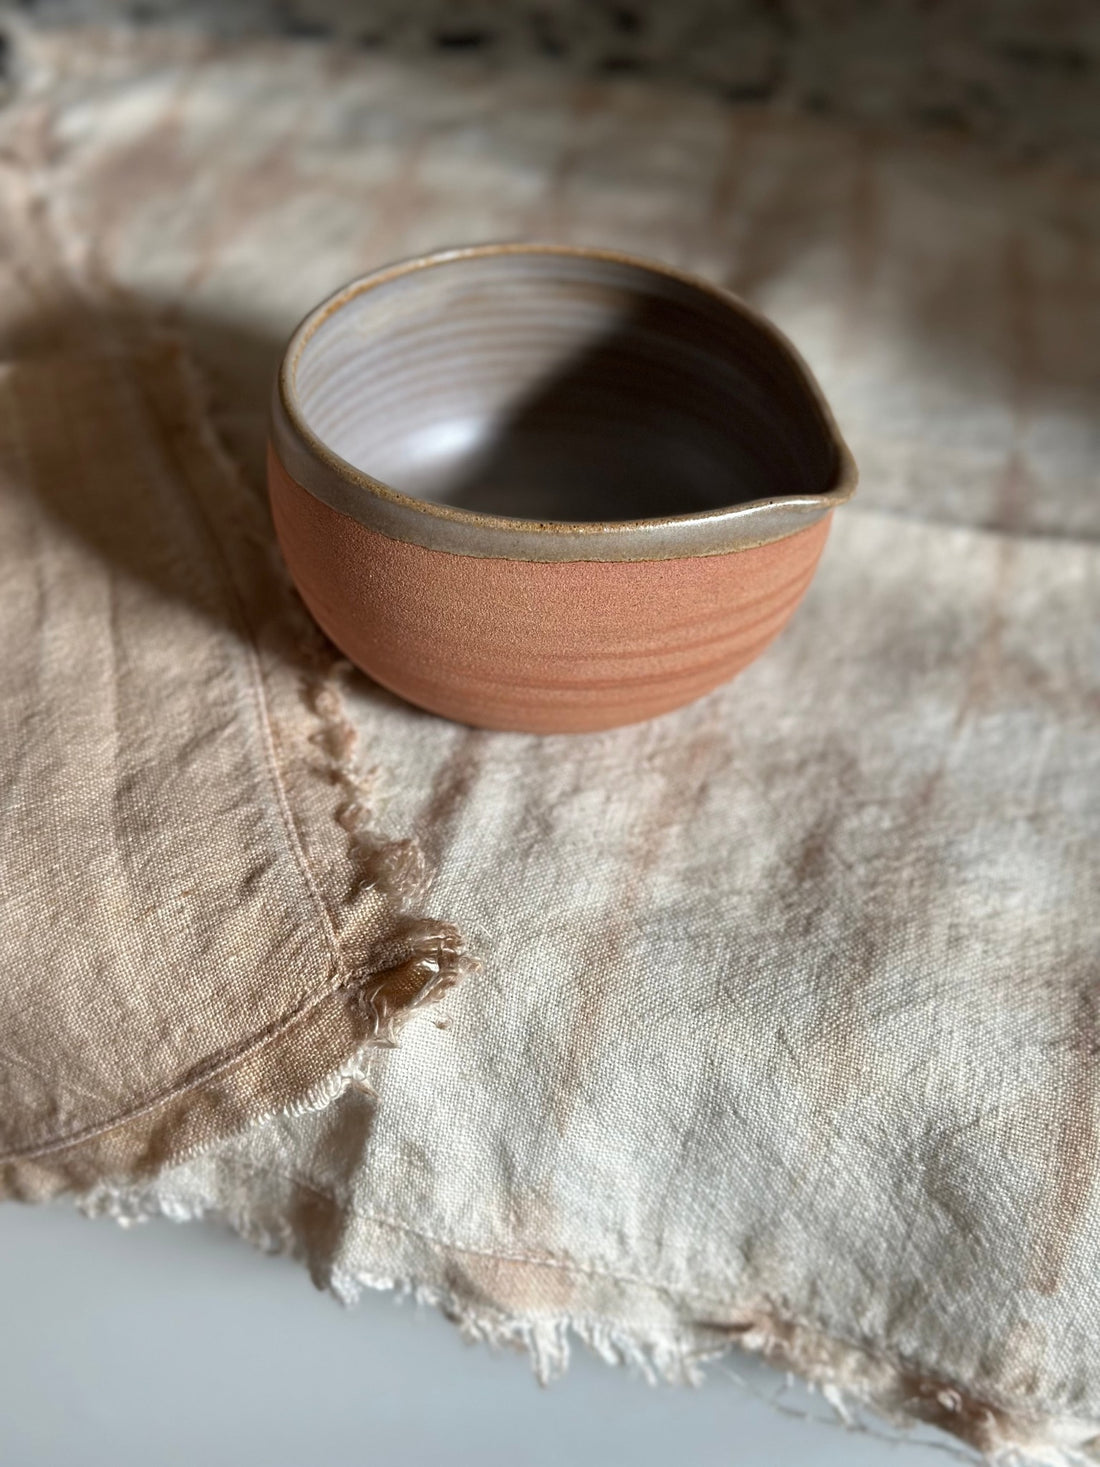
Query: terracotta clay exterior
{"x":537,"y":646}
{"x":549,"y":489}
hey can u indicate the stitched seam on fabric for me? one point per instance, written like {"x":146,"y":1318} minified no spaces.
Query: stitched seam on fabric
{"x":258,"y":686}
{"x":293,"y":838}
{"x":188,"y":380}
{"x":344,"y":978}
{"x":185,"y":375}
{"x":289,"y":1018}
{"x":224,"y":1062}
{"x":436,"y":952}
{"x":674,"y":1293}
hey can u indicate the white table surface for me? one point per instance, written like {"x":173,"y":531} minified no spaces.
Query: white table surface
{"x":167,"y":1346}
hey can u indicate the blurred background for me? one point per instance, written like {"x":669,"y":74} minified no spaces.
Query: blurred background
{"x":1020,"y":74}
{"x":910,"y":189}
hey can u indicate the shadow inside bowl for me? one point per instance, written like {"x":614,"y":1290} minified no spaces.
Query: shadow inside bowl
{"x":555,"y":387}
{"x":616,"y":432}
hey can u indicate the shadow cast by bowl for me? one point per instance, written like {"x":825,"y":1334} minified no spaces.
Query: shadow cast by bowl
{"x":173,"y":399}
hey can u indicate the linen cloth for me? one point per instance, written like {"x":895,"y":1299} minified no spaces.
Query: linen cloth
{"x":785,"y":1027}
{"x":181,"y":954}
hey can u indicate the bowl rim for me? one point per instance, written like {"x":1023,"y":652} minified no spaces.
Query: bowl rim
{"x":315,"y":467}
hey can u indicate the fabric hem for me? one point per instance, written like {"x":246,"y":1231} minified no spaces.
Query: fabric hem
{"x":853,"y":1379}
{"x":382,"y":960}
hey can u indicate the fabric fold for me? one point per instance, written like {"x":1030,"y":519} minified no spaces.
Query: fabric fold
{"x":785,"y":1032}
{"x":199,"y":926}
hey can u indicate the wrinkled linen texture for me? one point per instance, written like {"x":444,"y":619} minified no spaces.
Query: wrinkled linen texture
{"x":787,"y":1024}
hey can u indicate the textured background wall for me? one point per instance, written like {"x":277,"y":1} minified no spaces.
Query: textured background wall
{"x":1024,"y":74}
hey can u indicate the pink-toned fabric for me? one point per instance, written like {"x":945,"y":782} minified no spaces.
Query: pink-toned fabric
{"x":785,"y":1030}
{"x":198,"y":927}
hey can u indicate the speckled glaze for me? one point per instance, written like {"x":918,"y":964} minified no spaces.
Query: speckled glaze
{"x":548,"y":489}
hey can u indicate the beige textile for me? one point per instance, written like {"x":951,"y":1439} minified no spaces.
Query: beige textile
{"x":786,"y":1029}
{"x":187,"y":944}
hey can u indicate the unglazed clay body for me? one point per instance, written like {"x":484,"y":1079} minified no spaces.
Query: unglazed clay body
{"x":548,"y":489}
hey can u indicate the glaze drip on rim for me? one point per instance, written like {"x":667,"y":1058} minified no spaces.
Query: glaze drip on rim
{"x":627,"y":411}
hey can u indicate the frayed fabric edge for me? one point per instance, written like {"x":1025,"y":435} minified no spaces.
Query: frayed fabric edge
{"x":852,"y":1379}
{"x":387,"y":959}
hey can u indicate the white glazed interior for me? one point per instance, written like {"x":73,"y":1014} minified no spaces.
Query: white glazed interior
{"x":561,"y":387}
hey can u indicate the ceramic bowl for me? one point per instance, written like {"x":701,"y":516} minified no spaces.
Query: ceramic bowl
{"x":550,"y":489}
